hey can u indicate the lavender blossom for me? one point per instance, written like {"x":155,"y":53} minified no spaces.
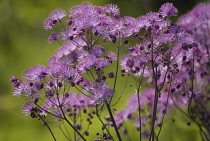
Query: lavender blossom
{"x":81,"y":79}
{"x":167,"y":10}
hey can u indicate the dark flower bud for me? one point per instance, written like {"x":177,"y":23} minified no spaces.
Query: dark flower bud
{"x":13,"y":79}
{"x":129,"y":116}
{"x":168,"y":76}
{"x":130,"y":63}
{"x":113,"y":38}
{"x":51,"y":84}
{"x":49,"y":93}
{"x":186,"y":46}
{"x":160,"y":16}
{"x":35,"y":100}
{"x":172,"y":90}
{"x":103,"y":127}
{"x":111,"y":75}
{"x":178,"y":86}
{"x":16,"y":84}
{"x":44,"y":74}
{"x":184,"y":58}
{"x":157,"y":26}
{"x":39,"y":86}
{"x":86,"y":133}
{"x":69,"y":22}
{"x":54,"y":21}
{"x":135,"y":35}
{"x":96,"y":33}
{"x":149,"y":46}
{"x":33,"y":115}
{"x":104,"y":135}
{"x":72,"y":84}
{"x":159,"y":124}
{"x":126,"y":41}
{"x":175,"y":65}
{"x":60,"y":84}
{"x":149,"y":28}
{"x":137,"y":68}
{"x":177,"y":70}
{"x":71,"y":37}
{"x":188,"y":123}
{"x":103,"y":78}
{"x":161,"y":48}
{"x":31,"y":84}
{"x":78,"y":126}
{"x":141,"y":48}
{"x":98,"y":80}
{"x":139,"y":38}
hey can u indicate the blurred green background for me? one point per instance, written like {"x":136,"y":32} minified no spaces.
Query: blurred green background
{"x":23,"y":44}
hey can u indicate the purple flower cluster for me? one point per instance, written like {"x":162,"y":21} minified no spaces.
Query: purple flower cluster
{"x":196,"y":23}
{"x":163,"y":54}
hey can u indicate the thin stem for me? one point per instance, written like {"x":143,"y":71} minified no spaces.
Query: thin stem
{"x":45,"y":123}
{"x":164,"y":110}
{"x":121,"y":92}
{"x":139,"y":106}
{"x":97,"y":114}
{"x":113,"y":121}
{"x":64,"y":116}
{"x":152,"y":134}
{"x":74,"y":128}
{"x":75,"y":135}
{"x":116,"y":73}
{"x":191,"y":97}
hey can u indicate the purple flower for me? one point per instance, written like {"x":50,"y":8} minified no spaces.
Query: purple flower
{"x":97,"y":51}
{"x":34,"y":73}
{"x":112,"y":9}
{"x":186,"y":39}
{"x":152,"y":17}
{"x":86,"y":63}
{"x":127,"y":62}
{"x":165,"y":38}
{"x":102,"y":62}
{"x":129,"y":20}
{"x":167,"y":10}
{"x":112,"y":56}
{"x":48,"y":23}
{"x":27,"y":108}
{"x":84,"y":16}
{"x":49,"y":93}
{"x":53,"y":37}
{"x":57,"y":15}
{"x":69,"y":33}
{"x":142,"y":22}
{"x":100,"y":91}
{"x":71,"y":47}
